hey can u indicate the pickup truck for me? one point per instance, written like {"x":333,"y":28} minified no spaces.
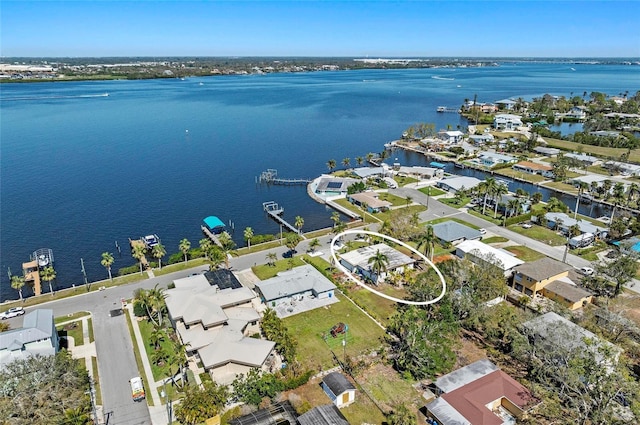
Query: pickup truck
{"x":137,"y":389}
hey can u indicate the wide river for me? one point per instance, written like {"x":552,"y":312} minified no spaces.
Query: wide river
{"x":81,"y":171}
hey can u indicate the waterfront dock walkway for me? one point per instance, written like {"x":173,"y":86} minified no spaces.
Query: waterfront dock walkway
{"x":275,"y":211}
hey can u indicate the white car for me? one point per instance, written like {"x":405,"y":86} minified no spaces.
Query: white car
{"x":587,"y":271}
{"x":482,"y":231}
{"x":527,"y":226}
{"x":12,"y":312}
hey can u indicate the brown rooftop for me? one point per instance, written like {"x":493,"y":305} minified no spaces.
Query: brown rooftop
{"x":542,"y":269}
{"x":569,"y":292}
{"x":470,"y":400}
{"x":535,"y":166}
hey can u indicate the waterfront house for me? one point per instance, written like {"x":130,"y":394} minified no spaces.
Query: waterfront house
{"x":564,"y":222}
{"x":624,"y":168}
{"x":420,"y":172}
{"x":589,"y":179}
{"x":454,"y":184}
{"x":479,"y":394}
{"x":287,"y":288}
{"x":357,"y":261}
{"x":550,"y":278}
{"x":215,"y":321}
{"x":339,"y":389}
{"x":370,"y":200}
{"x":334,"y":186}
{"x":481,"y":139}
{"x":367,"y":172}
{"x":508,"y":122}
{"x":584,"y":159}
{"x":453,"y":232}
{"x":506,"y":104}
{"x":37,"y":337}
{"x":478,"y":252}
{"x":577,"y":112}
{"x":491,"y":159}
{"x":534,"y":168}
{"x":451,"y":137}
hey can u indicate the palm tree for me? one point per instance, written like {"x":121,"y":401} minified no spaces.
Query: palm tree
{"x":632,"y":192}
{"x":158,"y":252}
{"x":427,"y":239}
{"x":107,"y":262}
{"x":76,"y":416}
{"x":409,"y":200}
{"x":346,"y":162}
{"x":514,"y":206}
{"x":48,"y":274}
{"x":335,"y":217}
{"x":299,"y":223}
{"x":370,"y":156}
{"x":271,"y":258}
{"x":248,"y":234}
{"x":184,"y":247}
{"x":17,"y":282}
{"x":487,"y":186}
{"x":156,"y":336}
{"x":227,"y":246}
{"x":379,"y":263}
{"x":138,"y":252}
{"x":216,"y":256}
{"x":331,"y":164}
{"x":314,"y":244}
{"x":359,"y":160}
{"x":205,"y":246}
{"x":157,"y":298}
{"x":499,"y":190}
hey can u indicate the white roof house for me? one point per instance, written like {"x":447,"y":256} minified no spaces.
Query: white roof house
{"x":454,"y":184}
{"x":299,"y":281}
{"x":358,"y":260}
{"x":584,"y":158}
{"x":37,"y":336}
{"x":215,"y":324}
{"x":454,"y":136}
{"x":507,"y":122}
{"x":477,"y":251}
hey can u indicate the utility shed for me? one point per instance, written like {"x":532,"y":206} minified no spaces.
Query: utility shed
{"x":339,"y":389}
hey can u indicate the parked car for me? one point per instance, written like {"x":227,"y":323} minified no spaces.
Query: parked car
{"x":12,"y":312}
{"x":482,"y":231}
{"x":587,"y":271}
{"x":527,"y":226}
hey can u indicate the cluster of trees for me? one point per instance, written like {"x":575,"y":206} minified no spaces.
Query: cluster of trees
{"x":43,"y":390}
{"x":346,"y":162}
{"x":47,"y":274}
{"x":275,"y":330}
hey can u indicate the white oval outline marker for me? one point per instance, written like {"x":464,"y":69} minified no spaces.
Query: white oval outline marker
{"x":380,"y":294}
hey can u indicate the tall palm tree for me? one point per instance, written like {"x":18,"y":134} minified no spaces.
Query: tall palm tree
{"x":314,"y":244}
{"x":48,"y":274}
{"x":335,"y":217}
{"x":138,"y":252}
{"x":299,"y":223}
{"x":157,"y":297}
{"x":227,"y":246}
{"x":205,"y":246}
{"x":216,"y":256}
{"x":158,"y":252}
{"x":487,"y":186}
{"x":107,"y":262}
{"x":499,"y":190}
{"x":514,"y":206}
{"x":632,"y":193}
{"x":156,"y":336}
{"x":379,"y":263}
{"x":426,"y":239}
{"x":409,"y":200}
{"x":76,"y":416}
{"x":248,"y":234}
{"x":370,"y":156}
{"x":331,"y":164}
{"x":271,"y":258}
{"x":359,"y":160}
{"x":17,"y":282}
{"x":346,"y":162}
{"x":184,"y":247}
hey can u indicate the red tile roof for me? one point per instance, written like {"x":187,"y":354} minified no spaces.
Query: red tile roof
{"x":470,"y":400}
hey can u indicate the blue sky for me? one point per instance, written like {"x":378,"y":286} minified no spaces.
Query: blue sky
{"x":321,"y":28}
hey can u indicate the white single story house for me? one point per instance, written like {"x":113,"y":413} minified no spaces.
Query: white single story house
{"x":625,"y":168}
{"x":421,"y":172}
{"x":366,"y":172}
{"x":507,"y":122}
{"x":334,"y":186}
{"x":295,"y":284}
{"x":370,"y":199}
{"x":546,"y":151}
{"x":451,"y":137}
{"x":357,"y":261}
{"x":534,"y":168}
{"x":490,"y":159}
{"x":476,"y":251}
{"x":37,"y":337}
{"x":585,"y":159}
{"x":454,"y":184}
{"x":481,"y":139}
{"x":564,"y":222}
{"x":339,"y":389}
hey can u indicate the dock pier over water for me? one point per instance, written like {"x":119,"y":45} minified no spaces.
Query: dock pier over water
{"x":275,"y":211}
{"x":271,"y":177}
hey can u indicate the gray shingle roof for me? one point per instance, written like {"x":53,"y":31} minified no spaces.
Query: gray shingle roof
{"x":450,"y":231}
{"x":542,"y":269}
{"x":36,"y":325}
{"x":295,"y":281}
{"x":328,"y":414}
{"x":337,"y":383}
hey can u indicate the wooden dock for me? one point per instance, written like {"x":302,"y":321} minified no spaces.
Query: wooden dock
{"x":274,"y":211}
{"x":211,"y":235}
{"x":271,"y":177}
{"x":139,"y":242}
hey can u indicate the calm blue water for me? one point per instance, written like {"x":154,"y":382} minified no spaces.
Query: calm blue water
{"x":567,"y":128}
{"x":79,"y":173}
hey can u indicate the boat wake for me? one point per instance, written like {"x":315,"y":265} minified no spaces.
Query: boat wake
{"x":77,"y":96}
{"x":436,"y":77}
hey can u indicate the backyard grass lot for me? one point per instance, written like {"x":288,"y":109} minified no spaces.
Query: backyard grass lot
{"x":146,"y":328}
{"x":72,"y":330}
{"x":411,"y":209}
{"x":379,"y":308}
{"x":540,"y":233}
{"x":495,"y":239}
{"x":69,"y":317}
{"x":454,"y":202}
{"x":363,"y":334}
{"x":510,"y":172}
{"x":402,"y":180}
{"x":595,"y":150}
{"x":524,"y":253}
{"x":387,"y":387}
{"x":565,"y":187}
{"x":395,"y":200}
{"x":265,"y":271}
{"x":432,"y":191}
{"x":457,"y":220}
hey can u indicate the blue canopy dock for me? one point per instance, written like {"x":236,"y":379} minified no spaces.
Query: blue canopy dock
{"x":435,"y":164}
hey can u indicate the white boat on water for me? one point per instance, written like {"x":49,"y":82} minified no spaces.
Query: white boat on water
{"x":441,"y":109}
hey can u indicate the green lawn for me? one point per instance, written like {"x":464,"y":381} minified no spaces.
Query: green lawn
{"x":396,"y":201}
{"x":524,"y":253}
{"x":368,"y":218}
{"x":412,"y":209}
{"x":510,"y":172}
{"x":379,"y":308}
{"x":146,"y":328}
{"x":73,"y":330}
{"x":454,"y":202}
{"x":313,"y":352}
{"x":457,"y":220}
{"x":402,"y":180}
{"x":432,"y":191}
{"x":495,"y":239}
{"x":478,"y":213}
{"x":595,"y":150}
{"x":96,"y":380}
{"x":90,"y":325}
{"x":69,"y":317}
{"x":180,"y":266}
{"x":541,"y":234}
{"x":265,"y":271}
